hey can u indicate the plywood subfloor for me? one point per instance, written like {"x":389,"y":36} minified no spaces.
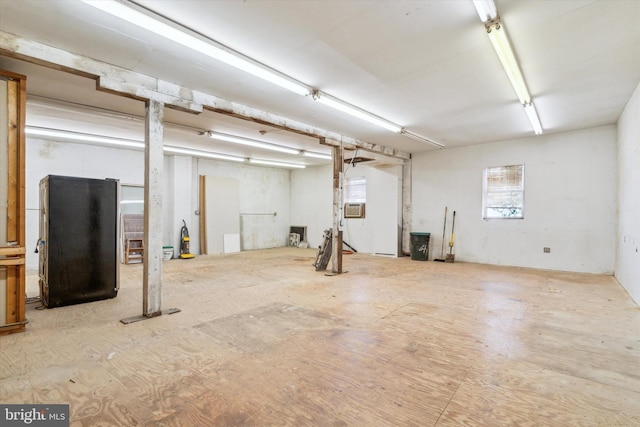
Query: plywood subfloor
{"x":265,"y":340}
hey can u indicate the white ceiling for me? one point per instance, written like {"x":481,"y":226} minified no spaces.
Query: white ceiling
{"x":425,"y":65}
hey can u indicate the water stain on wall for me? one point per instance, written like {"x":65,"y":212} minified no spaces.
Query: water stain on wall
{"x":48,"y":150}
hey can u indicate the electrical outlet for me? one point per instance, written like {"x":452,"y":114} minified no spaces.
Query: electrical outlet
{"x":546,"y":250}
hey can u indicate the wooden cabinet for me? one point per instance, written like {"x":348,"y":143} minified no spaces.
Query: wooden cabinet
{"x":12,"y":202}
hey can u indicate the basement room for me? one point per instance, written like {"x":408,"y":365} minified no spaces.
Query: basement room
{"x":319,"y":213}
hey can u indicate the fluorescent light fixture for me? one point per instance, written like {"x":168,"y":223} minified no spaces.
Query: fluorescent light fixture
{"x":421,"y":138}
{"x":127,"y":12}
{"x":82,"y":137}
{"x":251,"y":143}
{"x":500,"y":41}
{"x":317,"y":155}
{"x":332,"y":102}
{"x":533,"y":118}
{"x":486,"y":9}
{"x":280,"y":164}
{"x":120,"y":142}
{"x":206,"y":154}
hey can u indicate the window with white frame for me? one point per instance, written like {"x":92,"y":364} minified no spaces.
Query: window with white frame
{"x":503,"y":192}
{"x":355,"y":190}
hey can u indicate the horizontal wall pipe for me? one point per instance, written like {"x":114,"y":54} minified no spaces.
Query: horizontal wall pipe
{"x":259,"y":213}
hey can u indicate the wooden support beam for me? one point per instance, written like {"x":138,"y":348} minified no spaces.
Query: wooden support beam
{"x":127,"y":83}
{"x":12,"y":261}
{"x":336,"y":242}
{"x":13,"y":165}
{"x":406,"y":206}
{"x":12,"y":250}
{"x":203,"y":214}
{"x":109,"y":78}
{"x":21,"y":185}
{"x":352,"y":144}
{"x":167,"y":93}
{"x":15,"y":122}
{"x":325,"y":137}
{"x":153,"y":162}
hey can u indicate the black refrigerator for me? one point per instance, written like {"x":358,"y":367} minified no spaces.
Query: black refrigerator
{"x":78,"y":245}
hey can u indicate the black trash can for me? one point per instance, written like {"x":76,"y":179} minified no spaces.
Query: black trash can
{"x":419,"y":246}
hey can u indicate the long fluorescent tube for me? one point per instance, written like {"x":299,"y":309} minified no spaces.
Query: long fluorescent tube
{"x":486,"y":9}
{"x":210,"y":48}
{"x":198,"y":153}
{"x":251,"y":143}
{"x":317,"y":155}
{"x":121,"y":142}
{"x":497,"y":32}
{"x":281,"y":164}
{"x":533,"y":118}
{"x":83,"y":137}
{"x":500,"y":41}
{"x":421,"y":138}
{"x":130,"y":12}
{"x":332,"y":102}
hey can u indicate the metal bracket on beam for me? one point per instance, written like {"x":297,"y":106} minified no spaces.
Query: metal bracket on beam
{"x":143,"y":317}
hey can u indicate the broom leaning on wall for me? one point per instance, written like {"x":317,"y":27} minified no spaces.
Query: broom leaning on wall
{"x":450,"y":256}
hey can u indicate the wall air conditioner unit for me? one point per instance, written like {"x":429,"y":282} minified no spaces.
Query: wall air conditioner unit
{"x":354,"y":210}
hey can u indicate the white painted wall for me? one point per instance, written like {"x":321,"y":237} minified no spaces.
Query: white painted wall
{"x":312,"y":201}
{"x":262,"y":191}
{"x":384,"y":199}
{"x":179,"y":202}
{"x":222,"y":214}
{"x":627,"y":269}
{"x":378,"y":232}
{"x":570,"y":201}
